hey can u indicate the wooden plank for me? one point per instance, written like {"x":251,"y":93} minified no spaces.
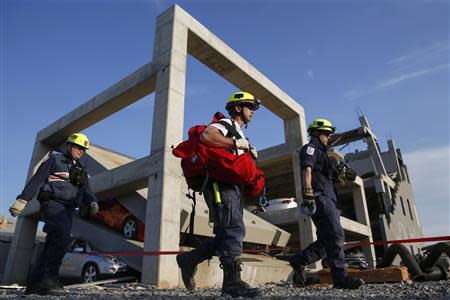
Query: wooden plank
{"x":100,"y":282}
{"x":389,"y":274}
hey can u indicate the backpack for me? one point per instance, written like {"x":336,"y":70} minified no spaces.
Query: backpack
{"x":200,"y":162}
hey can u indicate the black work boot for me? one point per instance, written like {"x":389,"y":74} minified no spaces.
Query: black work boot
{"x":38,"y":288}
{"x":188,"y":264}
{"x":348,"y":283}
{"x":299,"y":277}
{"x":54,"y":283}
{"x":232,"y":283}
{"x":45,"y":286}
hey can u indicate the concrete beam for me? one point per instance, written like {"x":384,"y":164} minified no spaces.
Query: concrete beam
{"x":274,"y":154}
{"x":21,"y":250}
{"x":350,"y":136}
{"x":218,"y":56}
{"x":360,"y":203}
{"x":162,"y":227}
{"x":355,"y":227}
{"x":291,"y":216}
{"x":374,"y":149}
{"x":128,"y":90}
{"x":127,"y":178}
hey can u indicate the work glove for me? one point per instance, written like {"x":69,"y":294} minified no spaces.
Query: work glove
{"x":308,"y":206}
{"x":33,"y":207}
{"x":350,"y":174}
{"x":242,"y":144}
{"x":17,"y":207}
{"x":93,"y":208}
{"x":308,"y":197}
{"x":253,"y":152}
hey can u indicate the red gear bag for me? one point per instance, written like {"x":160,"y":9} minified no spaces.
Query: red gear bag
{"x":199,"y":160}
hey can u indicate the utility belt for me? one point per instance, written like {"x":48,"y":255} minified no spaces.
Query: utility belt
{"x":44,"y":197}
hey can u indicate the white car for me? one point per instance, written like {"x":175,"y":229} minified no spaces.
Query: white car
{"x":280,"y":203}
{"x":275,"y":205}
{"x":79,"y":264}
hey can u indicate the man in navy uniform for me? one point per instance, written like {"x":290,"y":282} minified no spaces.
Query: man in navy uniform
{"x":229,"y":226}
{"x":318,"y":190}
{"x":62,"y":185}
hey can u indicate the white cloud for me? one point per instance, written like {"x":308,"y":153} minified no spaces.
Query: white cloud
{"x":421,"y":55}
{"x":396,"y":80}
{"x":429,"y":174}
{"x":417,"y":63}
{"x":310,"y":73}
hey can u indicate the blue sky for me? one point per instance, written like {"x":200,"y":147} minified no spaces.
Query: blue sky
{"x":388,"y":58}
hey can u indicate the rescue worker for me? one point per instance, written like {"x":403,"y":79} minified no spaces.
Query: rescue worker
{"x":319,"y":191}
{"x":229,"y":226}
{"x":62,"y":185}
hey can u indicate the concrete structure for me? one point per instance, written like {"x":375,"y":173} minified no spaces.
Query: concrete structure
{"x":177,"y":34}
{"x":280,"y":183}
{"x":152,"y":187}
{"x":390,"y":199}
{"x":6,"y":236}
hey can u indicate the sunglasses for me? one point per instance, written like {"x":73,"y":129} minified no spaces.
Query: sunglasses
{"x":249,"y":106}
{"x":79,"y":147}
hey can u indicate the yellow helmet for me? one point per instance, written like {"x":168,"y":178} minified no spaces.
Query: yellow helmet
{"x":79,"y":139}
{"x":242,"y":98}
{"x":321,"y":124}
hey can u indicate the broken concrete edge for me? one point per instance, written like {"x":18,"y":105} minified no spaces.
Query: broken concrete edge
{"x":100,"y":282}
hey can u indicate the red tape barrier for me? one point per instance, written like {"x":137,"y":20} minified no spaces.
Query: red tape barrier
{"x":406,"y":241}
{"x":351,"y":244}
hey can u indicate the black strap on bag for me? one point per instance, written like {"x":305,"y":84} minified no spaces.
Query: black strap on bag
{"x":232,"y":131}
{"x":190,"y":237}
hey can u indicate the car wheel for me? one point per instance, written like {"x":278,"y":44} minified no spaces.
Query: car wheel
{"x":90,"y":273}
{"x":129,"y":228}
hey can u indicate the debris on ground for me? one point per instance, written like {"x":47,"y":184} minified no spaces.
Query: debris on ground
{"x":284,"y":290}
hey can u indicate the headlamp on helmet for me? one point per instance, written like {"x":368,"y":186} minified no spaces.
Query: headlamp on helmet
{"x":244,"y":99}
{"x":321,"y":125}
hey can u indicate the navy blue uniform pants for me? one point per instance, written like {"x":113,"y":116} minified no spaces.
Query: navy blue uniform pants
{"x":58,"y":224}
{"x":229,"y":226}
{"x":330,"y":238}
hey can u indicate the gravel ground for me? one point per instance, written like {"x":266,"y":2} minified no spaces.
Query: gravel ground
{"x":424,"y":290}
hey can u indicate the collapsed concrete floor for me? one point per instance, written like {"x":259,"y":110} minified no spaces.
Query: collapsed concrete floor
{"x":282,"y":290}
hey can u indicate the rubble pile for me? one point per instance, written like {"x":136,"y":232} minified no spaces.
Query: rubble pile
{"x":417,"y":290}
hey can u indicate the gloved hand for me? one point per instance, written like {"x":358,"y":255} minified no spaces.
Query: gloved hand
{"x":33,"y":207}
{"x":253,"y":152}
{"x":242,"y":144}
{"x":350,"y":174}
{"x":17,"y":207}
{"x":308,"y":206}
{"x":308,"y":197}
{"x":93,"y":208}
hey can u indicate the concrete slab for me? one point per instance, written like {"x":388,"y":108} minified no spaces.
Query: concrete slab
{"x":258,"y":230}
{"x":257,"y":269}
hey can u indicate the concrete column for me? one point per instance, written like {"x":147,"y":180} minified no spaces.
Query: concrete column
{"x":362,"y":216}
{"x":162,"y":226}
{"x":296,"y":137}
{"x":21,"y":251}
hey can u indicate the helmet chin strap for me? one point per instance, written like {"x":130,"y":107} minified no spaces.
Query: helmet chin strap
{"x":243,"y":117}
